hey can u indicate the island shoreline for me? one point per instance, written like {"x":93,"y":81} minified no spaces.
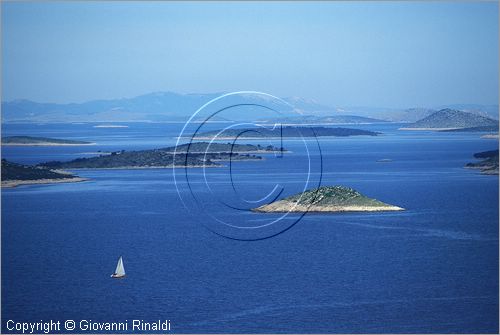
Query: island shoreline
{"x":330,"y":209}
{"x":430,"y":129}
{"x":15,"y":183}
{"x":47,"y":144}
{"x":268,"y":137}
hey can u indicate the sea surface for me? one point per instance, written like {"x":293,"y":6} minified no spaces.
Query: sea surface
{"x":430,"y":269}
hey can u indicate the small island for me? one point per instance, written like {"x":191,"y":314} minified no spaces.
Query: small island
{"x":14,"y":174}
{"x":199,"y":155}
{"x":453,"y":120}
{"x":278,"y":132}
{"x":327,"y":199}
{"x":489,"y":163}
{"x":41,"y":141}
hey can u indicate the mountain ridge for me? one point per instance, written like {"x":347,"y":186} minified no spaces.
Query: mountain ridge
{"x":171,"y":106}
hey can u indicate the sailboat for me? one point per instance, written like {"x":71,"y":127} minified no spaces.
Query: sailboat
{"x":120,"y":270}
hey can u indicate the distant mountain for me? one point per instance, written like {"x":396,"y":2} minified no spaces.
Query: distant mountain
{"x":490,"y":111}
{"x":371,"y":112}
{"x":307,"y":106}
{"x":451,"y":118}
{"x":409,"y":115}
{"x":159,"y":106}
{"x":415,"y":114}
{"x":354,"y":119}
{"x":154,"y":106}
{"x":335,"y":119}
{"x":170,"y":106}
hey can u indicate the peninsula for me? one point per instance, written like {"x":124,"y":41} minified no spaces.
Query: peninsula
{"x":327,"y":199}
{"x":215,"y":147}
{"x":199,"y":155}
{"x":193,"y":155}
{"x":40,"y":141}
{"x":16,"y":174}
{"x":278,"y":132}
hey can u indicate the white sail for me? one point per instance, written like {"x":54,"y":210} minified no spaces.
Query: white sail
{"x":120,"y":270}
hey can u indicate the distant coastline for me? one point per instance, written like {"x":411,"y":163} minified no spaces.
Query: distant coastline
{"x":15,"y":183}
{"x":159,"y":167}
{"x":259,"y":133}
{"x":110,"y":126}
{"x":41,"y":141}
{"x":46,"y":144}
{"x":427,"y":129}
{"x":490,"y":136}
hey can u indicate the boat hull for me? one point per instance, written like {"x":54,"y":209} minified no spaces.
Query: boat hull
{"x":117,"y":276}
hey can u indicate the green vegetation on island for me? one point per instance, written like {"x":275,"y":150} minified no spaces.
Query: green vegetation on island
{"x":14,"y":174}
{"x":328,"y":199}
{"x":199,"y":155}
{"x":278,"y":132}
{"x":448,"y":119}
{"x":30,"y":140}
{"x":488,"y":164}
{"x":202,"y":147}
{"x":159,"y":158}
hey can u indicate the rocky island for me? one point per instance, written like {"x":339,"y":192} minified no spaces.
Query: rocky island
{"x":16,"y":174}
{"x":199,"y":155}
{"x":278,"y":132}
{"x":489,"y":163}
{"x":451,"y":119}
{"x":42,"y":141}
{"x":327,"y":199}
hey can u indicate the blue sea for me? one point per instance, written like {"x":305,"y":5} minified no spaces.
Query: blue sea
{"x":432,"y":268}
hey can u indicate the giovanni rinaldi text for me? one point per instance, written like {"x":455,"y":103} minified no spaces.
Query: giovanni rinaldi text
{"x":51,"y":326}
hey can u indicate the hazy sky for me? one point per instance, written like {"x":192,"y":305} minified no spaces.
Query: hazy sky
{"x":389,"y":54}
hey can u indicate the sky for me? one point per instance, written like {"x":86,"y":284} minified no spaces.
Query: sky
{"x":376,"y":54}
